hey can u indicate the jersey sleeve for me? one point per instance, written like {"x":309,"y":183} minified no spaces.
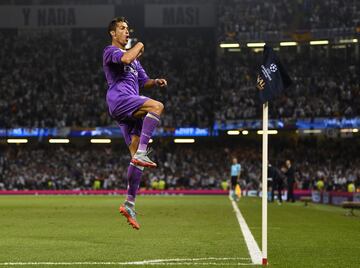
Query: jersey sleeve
{"x":142,"y":76}
{"x":112,"y":55}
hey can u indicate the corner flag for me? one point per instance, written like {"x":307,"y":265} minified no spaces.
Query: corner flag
{"x":272,"y":78}
{"x":271,"y":81}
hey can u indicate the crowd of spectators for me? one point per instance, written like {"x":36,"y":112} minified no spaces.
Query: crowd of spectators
{"x":55,"y":79}
{"x":50,"y":79}
{"x":188,"y":65}
{"x":256,"y":16}
{"x":323,"y":85}
{"x":57,"y":84}
{"x":334,"y":163}
{"x":253,"y":16}
{"x":181,"y":166}
{"x":331,"y":13}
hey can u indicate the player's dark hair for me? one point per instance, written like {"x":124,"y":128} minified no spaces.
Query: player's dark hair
{"x":113,"y":22}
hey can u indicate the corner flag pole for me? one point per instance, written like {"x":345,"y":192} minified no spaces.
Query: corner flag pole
{"x":264,"y":182}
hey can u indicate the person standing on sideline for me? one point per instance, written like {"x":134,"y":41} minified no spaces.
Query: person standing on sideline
{"x":235,"y":177}
{"x":290,"y":176}
{"x":275,"y":177}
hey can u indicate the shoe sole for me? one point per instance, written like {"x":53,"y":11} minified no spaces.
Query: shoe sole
{"x":142,"y":164}
{"x":130,"y":220}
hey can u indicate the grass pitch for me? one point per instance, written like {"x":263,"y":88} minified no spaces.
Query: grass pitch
{"x":69,"y":229}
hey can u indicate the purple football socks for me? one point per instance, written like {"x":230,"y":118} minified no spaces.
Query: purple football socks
{"x":134,"y":177}
{"x":151,"y":121}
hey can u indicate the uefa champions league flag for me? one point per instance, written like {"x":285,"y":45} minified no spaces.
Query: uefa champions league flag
{"x":272,"y":78}
{"x":271,"y":81}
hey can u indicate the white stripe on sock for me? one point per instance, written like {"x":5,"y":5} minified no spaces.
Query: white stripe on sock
{"x":152,"y":116}
{"x":139,"y":167}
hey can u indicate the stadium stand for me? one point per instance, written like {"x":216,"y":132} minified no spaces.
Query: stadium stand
{"x":183,"y":166}
{"x":63,"y":86}
{"x":324,"y":86}
{"x":247,"y":18}
{"x":56,"y":80}
{"x":75,"y":96}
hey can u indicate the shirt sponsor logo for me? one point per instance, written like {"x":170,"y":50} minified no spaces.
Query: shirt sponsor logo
{"x":130,"y":69}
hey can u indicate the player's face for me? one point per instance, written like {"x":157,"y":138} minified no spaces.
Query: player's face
{"x":122,"y":33}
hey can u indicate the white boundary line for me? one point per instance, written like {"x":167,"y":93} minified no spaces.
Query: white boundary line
{"x":126,"y":264}
{"x":196,"y":259}
{"x":164,"y":262}
{"x":253,"y":248}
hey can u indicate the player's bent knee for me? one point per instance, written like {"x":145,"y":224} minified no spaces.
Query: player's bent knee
{"x":158,"y":108}
{"x":161,"y":107}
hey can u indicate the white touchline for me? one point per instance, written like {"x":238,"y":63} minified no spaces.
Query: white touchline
{"x":188,"y":261}
{"x":253,"y":248}
{"x":128,"y":264}
{"x":195,"y":259}
{"x":202,"y":263}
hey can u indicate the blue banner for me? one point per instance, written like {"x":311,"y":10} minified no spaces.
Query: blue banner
{"x":247,"y":124}
{"x":96,"y":132}
{"x":190,"y":131}
{"x":114,"y":131}
{"x":323,"y":123}
{"x":28,"y":132}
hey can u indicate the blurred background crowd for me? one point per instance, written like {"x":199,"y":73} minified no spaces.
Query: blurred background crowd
{"x":54,"y":78}
{"x":182,"y":166}
{"x":255,"y":16}
{"x":59,"y":85}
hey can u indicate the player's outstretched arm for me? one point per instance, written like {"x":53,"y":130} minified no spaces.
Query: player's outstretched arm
{"x":130,"y":55}
{"x":158,"y":82}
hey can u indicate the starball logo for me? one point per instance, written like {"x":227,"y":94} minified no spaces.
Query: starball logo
{"x":273,"y":67}
{"x":267,"y":71}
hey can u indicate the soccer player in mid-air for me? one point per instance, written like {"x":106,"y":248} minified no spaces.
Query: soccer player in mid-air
{"x":136,"y":115}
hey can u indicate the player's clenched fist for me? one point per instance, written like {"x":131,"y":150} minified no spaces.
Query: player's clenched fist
{"x":160,"y":82}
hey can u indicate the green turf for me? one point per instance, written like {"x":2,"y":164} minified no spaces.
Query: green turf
{"x":313,"y":236}
{"x":89,"y":228}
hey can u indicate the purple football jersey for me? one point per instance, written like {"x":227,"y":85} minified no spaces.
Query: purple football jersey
{"x":123,"y":80}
